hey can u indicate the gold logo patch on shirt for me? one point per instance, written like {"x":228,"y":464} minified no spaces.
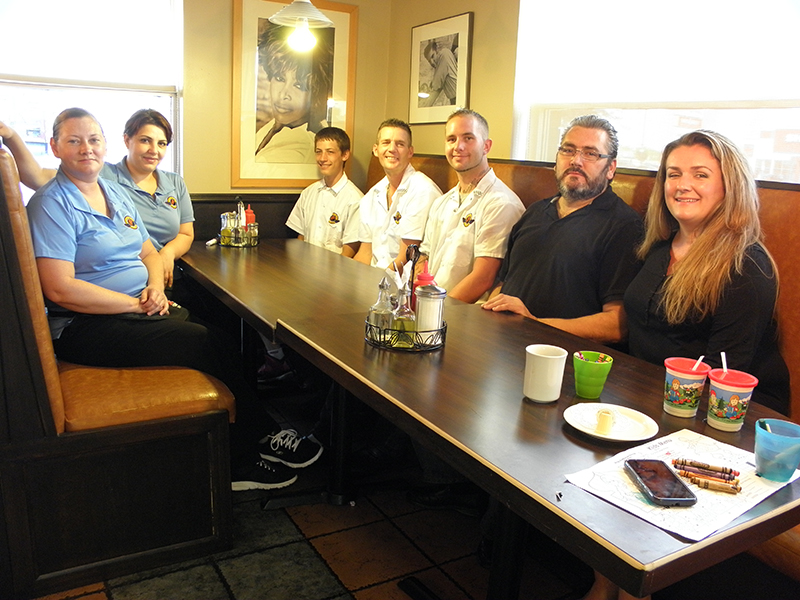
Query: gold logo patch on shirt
{"x":333,"y":219}
{"x":172,"y":202}
{"x":130,"y":223}
{"x":397,"y":216}
{"x":467,"y":220}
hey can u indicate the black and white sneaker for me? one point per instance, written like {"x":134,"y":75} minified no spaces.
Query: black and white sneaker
{"x":263,"y":475}
{"x":290,"y":449}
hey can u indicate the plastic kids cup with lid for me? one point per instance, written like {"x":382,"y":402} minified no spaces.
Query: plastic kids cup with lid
{"x":683,"y":386}
{"x":728,"y":398}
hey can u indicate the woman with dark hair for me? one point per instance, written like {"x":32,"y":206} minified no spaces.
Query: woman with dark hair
{"x":708,"y":284}
{"x":160,"y":196}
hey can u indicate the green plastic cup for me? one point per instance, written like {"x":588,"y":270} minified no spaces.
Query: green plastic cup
{"x":591,"y":371}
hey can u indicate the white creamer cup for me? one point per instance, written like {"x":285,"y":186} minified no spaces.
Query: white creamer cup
{"x":605,"y":421}
{"x":544,"y":372}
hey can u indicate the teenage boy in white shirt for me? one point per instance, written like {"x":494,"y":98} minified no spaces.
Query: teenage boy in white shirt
{"x":327,"y":212}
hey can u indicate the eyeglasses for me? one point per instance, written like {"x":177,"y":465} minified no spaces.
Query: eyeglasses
{"x":588,"y":155}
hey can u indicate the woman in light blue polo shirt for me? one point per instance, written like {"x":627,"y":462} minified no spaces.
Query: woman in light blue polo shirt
{"x":161,"y":196}
{"x":103,"y":282}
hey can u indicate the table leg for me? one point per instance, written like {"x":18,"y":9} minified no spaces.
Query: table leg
{"x":250,"y":341}
{"x":339,"y":491}
{"x":507,"y":556}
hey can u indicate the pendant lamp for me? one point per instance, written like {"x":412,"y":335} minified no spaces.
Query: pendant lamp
{"x":301,"y":15}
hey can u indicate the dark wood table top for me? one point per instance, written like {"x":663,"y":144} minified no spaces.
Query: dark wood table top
{"x":282,"y":277}
{"x":465,"y":402}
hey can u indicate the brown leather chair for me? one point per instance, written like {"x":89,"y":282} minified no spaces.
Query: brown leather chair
{"x":103,"y":472}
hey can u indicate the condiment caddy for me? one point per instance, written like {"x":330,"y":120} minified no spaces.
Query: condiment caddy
{"x":400,"y":328}
{"x":238,"y":228}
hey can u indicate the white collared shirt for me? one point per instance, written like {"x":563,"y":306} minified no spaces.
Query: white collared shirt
{"x":328,"y":216}
{"x":383,"y":227}
{"x":457,"y":234}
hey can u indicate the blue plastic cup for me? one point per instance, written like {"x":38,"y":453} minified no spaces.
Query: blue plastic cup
{"x":777,"y":449}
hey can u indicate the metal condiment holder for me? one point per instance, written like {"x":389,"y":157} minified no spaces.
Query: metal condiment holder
{"x":408,"y":341}
{"x":236,"y":234}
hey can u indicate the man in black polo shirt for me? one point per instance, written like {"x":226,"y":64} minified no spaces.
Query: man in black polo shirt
{"x":571,"y":257}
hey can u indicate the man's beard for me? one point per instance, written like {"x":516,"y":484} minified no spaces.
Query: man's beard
{"x":583,"y":191}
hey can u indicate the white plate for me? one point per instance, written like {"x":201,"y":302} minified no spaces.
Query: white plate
{"x":629,"y":425}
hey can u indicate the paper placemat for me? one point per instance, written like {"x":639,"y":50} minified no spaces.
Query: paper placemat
{"x":713,"y":510}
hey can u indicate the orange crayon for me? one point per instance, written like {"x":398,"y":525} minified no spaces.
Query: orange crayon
{"x":717,"y":487}
{"x":691,"y":475}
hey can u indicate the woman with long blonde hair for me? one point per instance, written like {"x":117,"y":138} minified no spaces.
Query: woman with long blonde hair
{"x":708,"y":285}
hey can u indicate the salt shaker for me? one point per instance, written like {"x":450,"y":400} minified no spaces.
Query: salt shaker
{"x":430,"y":310}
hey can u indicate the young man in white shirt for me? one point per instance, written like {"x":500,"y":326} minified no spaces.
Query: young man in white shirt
{"x":395,"y":210}
{"x":327,"y":212}
{"x":467,"y":231}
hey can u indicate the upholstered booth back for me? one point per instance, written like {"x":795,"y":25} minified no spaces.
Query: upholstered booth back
{"x":32,"y":288}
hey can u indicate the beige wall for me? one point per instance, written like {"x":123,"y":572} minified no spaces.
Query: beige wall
{"x":382,"y":79}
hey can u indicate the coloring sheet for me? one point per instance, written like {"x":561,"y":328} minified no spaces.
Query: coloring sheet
{"x":609,"y":481}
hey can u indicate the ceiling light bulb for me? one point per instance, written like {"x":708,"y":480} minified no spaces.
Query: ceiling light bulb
{"x":301,"y":38}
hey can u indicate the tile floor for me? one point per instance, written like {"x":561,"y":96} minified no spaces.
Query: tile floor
{"x":317,"y":552}
{"x":362,"y":551}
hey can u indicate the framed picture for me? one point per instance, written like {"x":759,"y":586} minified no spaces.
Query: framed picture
{"x":440,"y":65}
{"x":282,"y":97}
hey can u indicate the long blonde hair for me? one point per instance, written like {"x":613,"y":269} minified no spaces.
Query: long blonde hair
{"x":694,"y":289}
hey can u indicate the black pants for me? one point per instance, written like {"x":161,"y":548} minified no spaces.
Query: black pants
{"x":140,"y":341}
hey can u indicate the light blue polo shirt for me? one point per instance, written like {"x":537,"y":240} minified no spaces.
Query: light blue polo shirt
{"x":105,"y":251}
{"x":164,"y":212}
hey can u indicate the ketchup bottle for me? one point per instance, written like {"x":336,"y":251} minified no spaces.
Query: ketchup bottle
{"x":423,"y":278}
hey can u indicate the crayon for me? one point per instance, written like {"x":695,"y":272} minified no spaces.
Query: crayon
{"x":702,"y":465}
{"x":690,"y":475}
{"x":716,"y":474}
{"x":717,"y":487}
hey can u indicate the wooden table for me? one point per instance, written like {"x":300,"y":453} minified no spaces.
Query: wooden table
{"x":282,"y":277}
{"x":465,"y":403}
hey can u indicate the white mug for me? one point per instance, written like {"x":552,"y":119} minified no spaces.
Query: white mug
{"x":544,"y":372}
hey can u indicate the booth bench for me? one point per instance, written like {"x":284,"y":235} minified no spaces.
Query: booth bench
{"x":103,"y":472}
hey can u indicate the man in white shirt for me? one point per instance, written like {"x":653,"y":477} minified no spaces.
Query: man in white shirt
{"x":327,"y":212}
{"x":467,"y":231}
{"x":394,"y":211}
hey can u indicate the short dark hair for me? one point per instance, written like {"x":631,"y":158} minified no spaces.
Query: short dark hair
{"x":399,"y":124}
{"x":334,"y":134}
{"x":468,"y":112}
{"x":72,"y":113}
{"x":595,"y":122}
{"x":148,"y":116}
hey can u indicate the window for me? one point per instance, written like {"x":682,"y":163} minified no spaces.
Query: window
{"x":111,"y":58}
{"x":659,"y":70}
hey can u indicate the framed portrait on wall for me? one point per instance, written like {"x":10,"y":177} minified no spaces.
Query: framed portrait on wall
{"x":282,"y":96}
{"x":440,"y":66}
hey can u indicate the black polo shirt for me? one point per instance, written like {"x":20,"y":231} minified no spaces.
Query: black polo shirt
{"x":568,"y":268}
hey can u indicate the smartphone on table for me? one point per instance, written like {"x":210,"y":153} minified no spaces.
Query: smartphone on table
{"x":659,"y":483}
